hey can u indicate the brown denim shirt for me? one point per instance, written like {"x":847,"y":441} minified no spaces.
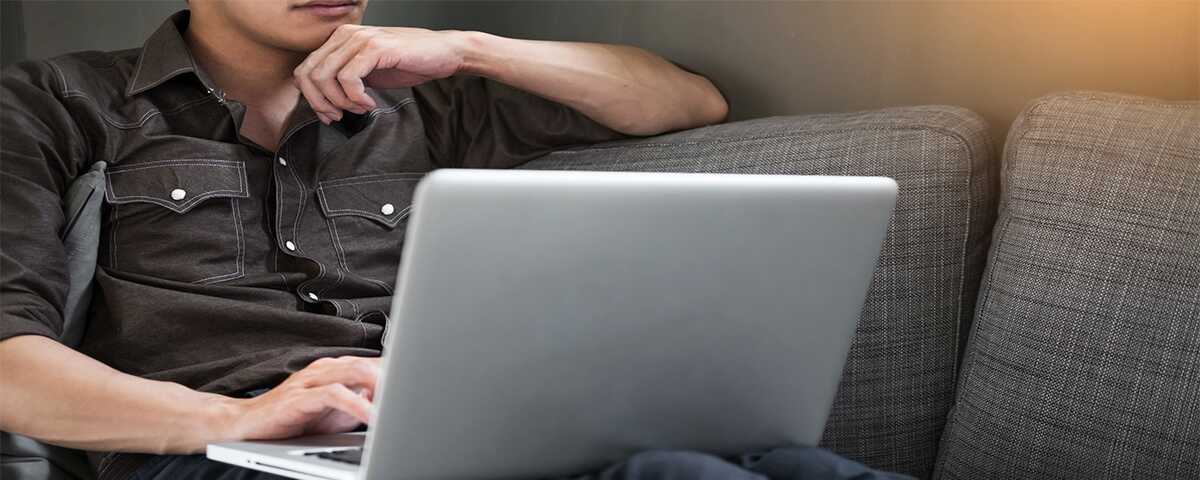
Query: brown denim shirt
{"x":225,"y":266}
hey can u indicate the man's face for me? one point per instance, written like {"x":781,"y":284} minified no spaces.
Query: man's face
{"x":294,"y":25}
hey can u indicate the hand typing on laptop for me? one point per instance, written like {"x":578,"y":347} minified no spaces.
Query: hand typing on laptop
{"x":330,"y":395}
{"x":111,"y":410}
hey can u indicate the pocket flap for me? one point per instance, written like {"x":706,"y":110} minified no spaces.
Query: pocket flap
{"x":176,"y":184}
{"x":385,"y":198}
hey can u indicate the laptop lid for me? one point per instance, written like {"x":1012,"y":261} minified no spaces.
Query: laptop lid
{"x":550,"y":323}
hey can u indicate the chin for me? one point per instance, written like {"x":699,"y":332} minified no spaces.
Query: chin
{"x":304,"y":45}
{"x":311,"y":38}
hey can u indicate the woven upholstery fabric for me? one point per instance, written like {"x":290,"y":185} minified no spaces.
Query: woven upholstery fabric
{"x":898,"y":382}
{"x":1085,"y":357}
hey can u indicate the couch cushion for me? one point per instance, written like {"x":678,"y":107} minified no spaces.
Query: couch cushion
{"x":899,"y":379}
{"x":27,"y":459}
{"x":1085,"y":357}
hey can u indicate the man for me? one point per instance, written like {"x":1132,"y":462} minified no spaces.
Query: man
{"x":261,"y":158}
{"x":259,"y":153}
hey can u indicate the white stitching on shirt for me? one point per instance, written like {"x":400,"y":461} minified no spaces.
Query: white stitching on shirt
{"x":299,"y":211}
{"x":144,"y":118}
{"x":391,"y":221}
{"x":115,"y":220}
{"x":341,"y":255}
{"x":242,"y":192}
{"x":387,"y":177}
{"x":137,"y":71}
{"x":240,"y":270}
{"x":295,"y":233}
{"x":183,"y":162}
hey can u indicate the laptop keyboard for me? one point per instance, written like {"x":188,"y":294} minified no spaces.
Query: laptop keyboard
{"x":352,"y":456}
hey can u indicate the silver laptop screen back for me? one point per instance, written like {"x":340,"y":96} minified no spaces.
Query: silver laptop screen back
{"x":548,"y":323}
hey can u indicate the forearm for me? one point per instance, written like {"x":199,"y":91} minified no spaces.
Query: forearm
{"x":624,"y":88}
{"x":57,"y":395}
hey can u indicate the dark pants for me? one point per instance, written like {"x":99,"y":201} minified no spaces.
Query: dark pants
{"x":780,"y":464}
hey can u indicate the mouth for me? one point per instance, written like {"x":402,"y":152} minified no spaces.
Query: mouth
{"x":328,"y":8}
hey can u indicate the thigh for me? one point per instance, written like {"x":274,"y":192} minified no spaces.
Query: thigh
{"x":811,"y":463}
{"x":796,"y":463}
{"x":673,"y":465}
{"x":195,"y":467}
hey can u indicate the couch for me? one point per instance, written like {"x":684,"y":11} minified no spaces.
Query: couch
{"x":1033,"y":315}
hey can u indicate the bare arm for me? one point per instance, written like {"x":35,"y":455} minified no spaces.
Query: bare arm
{"x":625,"y":88}
{"x":57,"y":395}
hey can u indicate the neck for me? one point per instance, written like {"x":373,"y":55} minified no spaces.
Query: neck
{"x":247,"y":71}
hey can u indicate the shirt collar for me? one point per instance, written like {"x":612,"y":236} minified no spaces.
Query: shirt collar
{"x":164,"y":56}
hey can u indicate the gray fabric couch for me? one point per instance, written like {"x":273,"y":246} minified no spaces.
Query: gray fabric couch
{"x":1081,"y":357}
{"x":1084,"y":361}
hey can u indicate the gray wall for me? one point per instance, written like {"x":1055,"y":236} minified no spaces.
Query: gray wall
{"x":12,"y":33}
{"x":788,"y":57}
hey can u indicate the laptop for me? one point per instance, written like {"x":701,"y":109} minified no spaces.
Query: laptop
{"x":550,"y":323}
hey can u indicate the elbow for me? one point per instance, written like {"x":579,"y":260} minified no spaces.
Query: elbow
{"x":716,"y":109}
{"x":705,"y":105}
{"x":710,"y":105}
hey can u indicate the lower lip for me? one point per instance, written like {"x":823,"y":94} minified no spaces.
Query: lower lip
{"x":329,"y":10}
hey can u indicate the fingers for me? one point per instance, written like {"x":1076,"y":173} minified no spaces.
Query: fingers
{"x":352,"y":372}
{"x":336,"y":397}
{"x":320,"y":76}
{"x":332,"y":72}
{"x":350,"y":79}
{"x":325,"y":110}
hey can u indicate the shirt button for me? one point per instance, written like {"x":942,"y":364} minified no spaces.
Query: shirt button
{"x":313,"y":296}
{"x":290,"y":246}
{"x":178,"y":194}
{"x":282,"y":161}
{"x":388,"y":209}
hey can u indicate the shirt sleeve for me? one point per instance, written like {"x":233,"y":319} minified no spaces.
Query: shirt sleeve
{"x":475,"y":122}
{"x":41,"y":151}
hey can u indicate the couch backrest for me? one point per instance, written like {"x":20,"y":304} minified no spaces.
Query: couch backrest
{"x":1085,"y":357}
{"x":899,"y":379}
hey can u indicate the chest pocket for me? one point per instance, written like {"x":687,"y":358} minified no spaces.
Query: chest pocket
{"x":177,"y":220}
{"x":367,"y":216}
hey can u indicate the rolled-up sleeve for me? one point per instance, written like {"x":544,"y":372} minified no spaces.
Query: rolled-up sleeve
{"x":41,"y":150}
{"x":474,"y":122}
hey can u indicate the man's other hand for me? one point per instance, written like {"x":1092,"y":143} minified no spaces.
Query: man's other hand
{"x":330,"y":395}
{"x":332,"y":78}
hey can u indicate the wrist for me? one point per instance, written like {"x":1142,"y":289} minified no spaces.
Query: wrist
{"x":223,"y":415}
{"x":477,"y":51}
{"x":216,"y":419}
{"x":192,"y":420}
